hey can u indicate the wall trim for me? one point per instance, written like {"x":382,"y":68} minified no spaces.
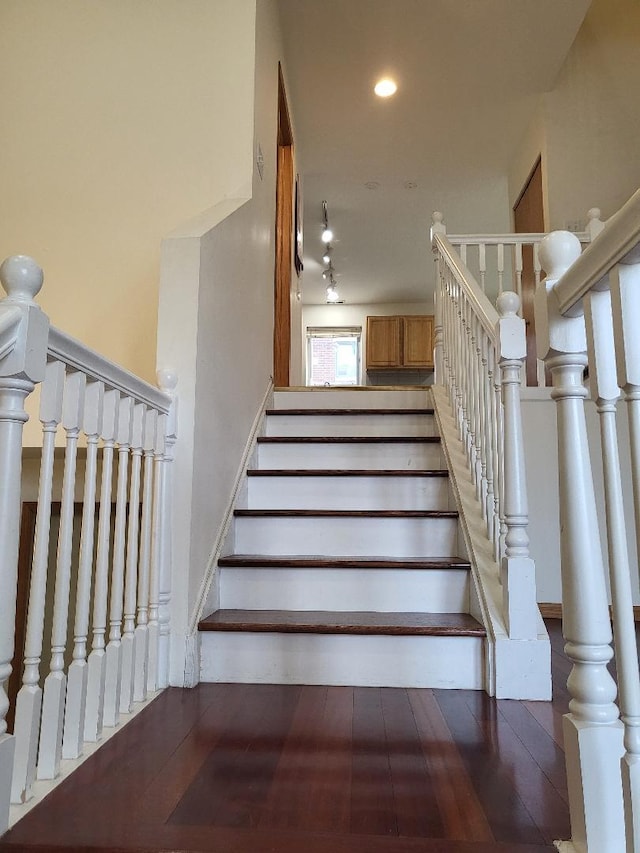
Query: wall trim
{"x":550,"y":610}
{"x":212,"y":563}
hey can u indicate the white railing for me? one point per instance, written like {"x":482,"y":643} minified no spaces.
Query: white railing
{"x":108,"y":586}
{"x":498,"y":261}
{"x":479,"y":354}
{"x":588,"y":315}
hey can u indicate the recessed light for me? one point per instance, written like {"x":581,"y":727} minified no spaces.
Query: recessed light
{"x":385,"y":88}
{"x":372,"y":185}
{"x":410,"y":185}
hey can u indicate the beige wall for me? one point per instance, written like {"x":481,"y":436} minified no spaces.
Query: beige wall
{"x":121,"y":120}
{"x":587,"y":128}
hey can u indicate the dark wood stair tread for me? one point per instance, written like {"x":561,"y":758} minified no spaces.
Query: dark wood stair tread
{"x":345,"y":513}
{"x":348,"y":439}
{"x":346,"y":472}
{"x":296,"y":561}
{"x":338,"y":412}
{"x":332,"y":622}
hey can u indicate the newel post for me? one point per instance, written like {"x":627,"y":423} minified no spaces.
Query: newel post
{"x":24,"y":331}
{"x":167,"y":382}
{"x":592,"y":730}
{"x":438,"y":227}
{"x":517,"y":568}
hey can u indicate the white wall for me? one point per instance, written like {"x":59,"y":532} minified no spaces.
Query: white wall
{"x":587,"y":127}
{"x":121,"y":120}
{"x":540,"y":439}
{"x":356,"y":315}
{"x":216,"y":330}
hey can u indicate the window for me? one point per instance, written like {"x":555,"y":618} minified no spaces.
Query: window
{"x":333,"y":355}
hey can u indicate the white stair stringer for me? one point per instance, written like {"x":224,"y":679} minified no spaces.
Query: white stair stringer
{"x":516,"y":669}
{"x":363,"y":529}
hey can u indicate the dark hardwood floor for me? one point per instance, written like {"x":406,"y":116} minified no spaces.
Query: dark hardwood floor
{"x":271,"y":769}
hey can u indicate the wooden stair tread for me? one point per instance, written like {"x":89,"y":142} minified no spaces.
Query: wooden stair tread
{"x":346,"y":472}
{"x":295,"y":561}
{"x":338,"y":412}
{"x":348,"y":439}
{"x":346,"y":513}
{"x":333,"y":622}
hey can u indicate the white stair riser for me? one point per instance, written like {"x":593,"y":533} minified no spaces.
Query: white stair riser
{"x":341,"y":659}
{"x":382,"y":590}
{"x":408,"y":398}
{"x":405,"y":455}
{"x":391,"y":537}
{"x":336,"y":425}
{"x":403,"y":493}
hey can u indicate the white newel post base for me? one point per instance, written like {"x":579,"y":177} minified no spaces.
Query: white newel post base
{"x":523,"y":668}
{"x":75,"y":710}
{"x":140,"y":672}
{"x":7,"y":748}
{"x":518,"y":578}
{"x":631,"y":795}
{"x":27,"y":723}
{"x":593,"y":776}
{"x":55,"y":688}
{"x":128,"y":671}
{"x":113,"y":670}
{"x":96,"y":667}
{"x":192,"y":660}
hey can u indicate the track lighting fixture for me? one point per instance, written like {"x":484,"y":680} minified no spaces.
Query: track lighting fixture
{"x":328,"y":273}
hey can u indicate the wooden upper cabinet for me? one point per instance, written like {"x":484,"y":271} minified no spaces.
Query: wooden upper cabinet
{"x":384,"y":342}
{"x":418,"y":341}
{"x":399,"y":342}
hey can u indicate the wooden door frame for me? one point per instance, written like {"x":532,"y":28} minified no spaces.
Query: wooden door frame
{"x":283,"y":242}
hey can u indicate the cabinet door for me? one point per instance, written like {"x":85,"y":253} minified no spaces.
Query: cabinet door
{"x":418,"y":341}
{"x":383,"y":342}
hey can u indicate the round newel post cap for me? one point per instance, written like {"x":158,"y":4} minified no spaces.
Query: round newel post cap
{"x":593,"y":213}
{"x":558,"y":251}
{"x":508,"y":304}
{"x":167,"y":380}
{"x":21,"y":278}
{"x":437,"y":217}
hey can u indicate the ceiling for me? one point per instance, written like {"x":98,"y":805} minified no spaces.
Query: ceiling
{"x":469,"y":73}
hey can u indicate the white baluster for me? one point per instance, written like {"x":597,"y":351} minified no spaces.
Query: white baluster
{"x":499,"y":417}
{"x":605,"y":390}
{"x":97,"y":658}
{"x":167,"y":381}
{"x":113,"y":671}
{"x":537,"y":266}
{"x":518,"y":265}
{"x":131,"y":579}
{"x":23,"y":346}
{"x":142,"y":626}
{"x":500,"y":253}
{"x":484,"y":417}
{"x":517,"y":568}
{"x":482,"y":264}
{"x":73,"y":735}
{"x":592,"y":731}
{"x":29,"y":701}
{"x":50,"y":751}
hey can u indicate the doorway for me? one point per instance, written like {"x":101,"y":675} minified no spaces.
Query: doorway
{"x":528,"y":217}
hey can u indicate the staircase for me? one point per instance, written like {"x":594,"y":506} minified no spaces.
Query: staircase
{"x":347,"y":566}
